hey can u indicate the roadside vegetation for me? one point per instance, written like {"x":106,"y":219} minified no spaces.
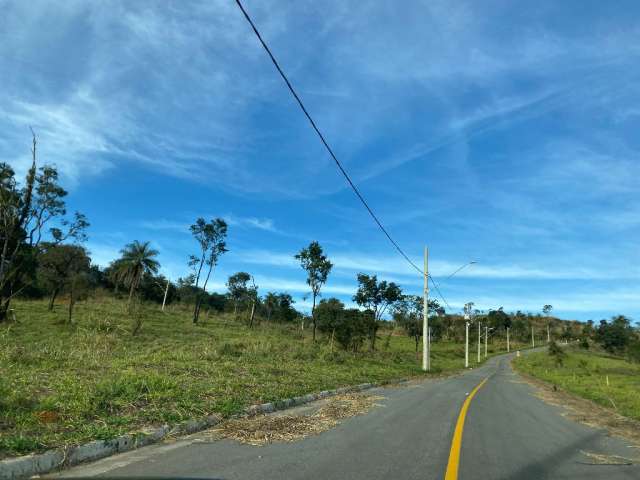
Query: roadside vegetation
{"x":612,"y":382}
{"x":91,"y":351}
{"x":603,"y":365}
{"x":65,"y":383}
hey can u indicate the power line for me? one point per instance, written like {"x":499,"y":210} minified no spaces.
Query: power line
{"x":324,"y":142}
{"x":435,"y":285}
{"x":333,"y":156}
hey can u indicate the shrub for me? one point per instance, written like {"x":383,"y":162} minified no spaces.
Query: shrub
{"x":584,"y":343}
{"x":633,"y":351}
{"x":557,"y":353}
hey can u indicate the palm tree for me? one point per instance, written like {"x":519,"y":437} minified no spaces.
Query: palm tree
{"x":137,"y":259}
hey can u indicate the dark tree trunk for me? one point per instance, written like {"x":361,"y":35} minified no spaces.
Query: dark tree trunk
{"x":52,"y":298}
{"x":71,"y":304}
{"x":313,"y":317}
{"x":131,"y":290}
{"x":4,"y":309}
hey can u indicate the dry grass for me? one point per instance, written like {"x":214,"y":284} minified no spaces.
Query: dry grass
{"x":267,"y":429}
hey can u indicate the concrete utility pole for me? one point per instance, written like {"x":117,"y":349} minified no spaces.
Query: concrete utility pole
{"x":466,"y":342}
{"x":508,"y":349}
{"x":548,"y":334}
{"x":533,"y":339}
{"x":426,"y":363}
{"x":486,"y":339}
{"x":479,"y":338}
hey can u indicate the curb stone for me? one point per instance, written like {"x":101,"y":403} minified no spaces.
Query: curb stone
{"x":35,"y":464}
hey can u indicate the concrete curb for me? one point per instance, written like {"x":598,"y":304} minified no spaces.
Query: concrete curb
{"x":36,"y":464}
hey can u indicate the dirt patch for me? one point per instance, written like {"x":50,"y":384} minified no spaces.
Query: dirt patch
{"x":265,"y":429}
{"x":585,"y":411}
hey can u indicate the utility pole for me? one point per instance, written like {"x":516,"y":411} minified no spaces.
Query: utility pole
{"x":466,"y":342}
{"x":533,"y":339}
{"x":479,"y":338}
{"x":486,"y":339}
{"x":508,"y":349}
{"x":166,"y":291}
{"x":548,"y":333}
{"x":426,"y":364}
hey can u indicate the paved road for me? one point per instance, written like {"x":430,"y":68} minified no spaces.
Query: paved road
{"x":508,"y":434}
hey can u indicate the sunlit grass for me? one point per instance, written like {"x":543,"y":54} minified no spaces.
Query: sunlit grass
{"x":585,"y":374}
{"x":64,"y":384}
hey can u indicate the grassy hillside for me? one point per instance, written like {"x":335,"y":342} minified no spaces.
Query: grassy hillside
{"x":62,"y":384}
{"x":585,"y":374}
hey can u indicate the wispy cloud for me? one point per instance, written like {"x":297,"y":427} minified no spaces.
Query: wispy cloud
{"x":265,"y":224}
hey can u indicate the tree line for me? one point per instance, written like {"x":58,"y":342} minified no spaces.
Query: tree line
{"x":43,"y":255}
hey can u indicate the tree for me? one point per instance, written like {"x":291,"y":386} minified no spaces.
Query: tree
{"x":137,"y":259}
{"x":270,"y":304}
{"x":211,"y":239}
{"x":286,"y":312}
{"x":58,"y":263}
{"x":78,"y":286}
{"x":318,"y":267}
{"x":238,"y":289}
{"x":25,"y":212}
{"x":498,"y":319}
{"x":615,"y":336}
{"x":377,"y":297}
{"x":547,"y":311}
{"x":329,"y":316}
{"x":408,"y":314}
{"x":252,"y":293}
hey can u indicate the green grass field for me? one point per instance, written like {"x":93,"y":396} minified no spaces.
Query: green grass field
{"x":64,"y":384}
{"x":585,"y":374}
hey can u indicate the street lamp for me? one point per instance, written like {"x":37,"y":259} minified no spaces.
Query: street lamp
{"x":473,"y":262}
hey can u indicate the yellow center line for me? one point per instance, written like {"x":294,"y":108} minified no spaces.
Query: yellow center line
{"x":456,"y":443}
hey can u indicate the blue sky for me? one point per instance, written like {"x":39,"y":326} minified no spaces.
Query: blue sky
{"x":501,"y":132}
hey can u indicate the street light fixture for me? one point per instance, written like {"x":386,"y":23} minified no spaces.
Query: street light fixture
{"x":473,"y":262}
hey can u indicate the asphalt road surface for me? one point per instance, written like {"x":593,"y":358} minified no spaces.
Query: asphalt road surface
{"x":508,"y":433}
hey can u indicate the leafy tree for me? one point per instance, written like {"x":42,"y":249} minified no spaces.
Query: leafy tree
{"x":329,"y":315}
{"x":137,"y":259}
{"x":270,"y":304}
{"x":25,"y":212}
{"x":547,"y":310}
{"x":633,"y":350}
{"x":58,"y":263}
{"x":317,"y":265}
{"x":377,"y":297}
{"x":238,"y":289}
{"x":286,"y":312}
{"x":78,"y":287}
{"x":615,"y":336}
{"x":211,"y":239}
{"x":498,"y":319}
{"x":409,"y":315}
